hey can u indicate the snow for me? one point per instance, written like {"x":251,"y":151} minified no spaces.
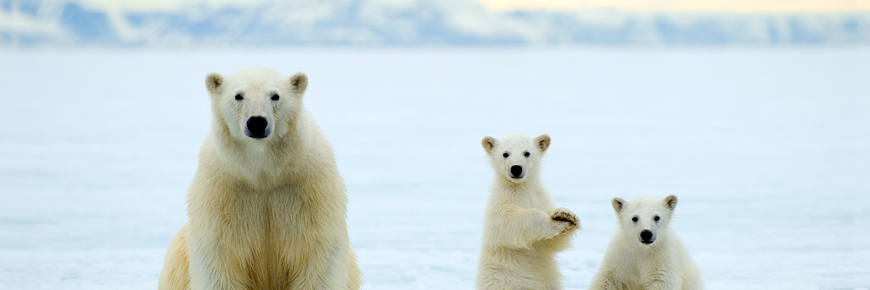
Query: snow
{"x":768,"y":150}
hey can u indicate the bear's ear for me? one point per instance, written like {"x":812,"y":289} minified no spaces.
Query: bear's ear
{"x":488,"y":143}
{"x":543,"y":142}
{"x":671,"y":201}
{"x":299,"y":82}
{"x":213,"y":82}
{"x":618,"y":204}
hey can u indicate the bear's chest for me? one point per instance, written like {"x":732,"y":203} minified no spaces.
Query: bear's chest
{"x":277,"y":215}
{"x":637,"y":270}
{"x":536,"y":200}
{"x":274,"y":233}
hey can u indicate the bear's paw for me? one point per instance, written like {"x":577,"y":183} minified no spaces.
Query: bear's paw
{"x":566,"y":216}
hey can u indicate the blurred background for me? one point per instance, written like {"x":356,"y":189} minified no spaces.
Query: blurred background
{"x":756,"y":114}
{"x":414,"y":23}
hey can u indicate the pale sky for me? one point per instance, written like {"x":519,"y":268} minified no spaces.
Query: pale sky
{"x":670,"y":6}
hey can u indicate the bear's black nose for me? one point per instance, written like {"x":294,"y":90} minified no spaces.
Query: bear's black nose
{"x":516,"y":171}
{"x":645,"y":236}
{"x":257,"y":127}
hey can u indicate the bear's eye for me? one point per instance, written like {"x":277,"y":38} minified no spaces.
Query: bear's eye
{"x":505,"y":155}
{"x":634,"y":219}
{"x":239,"y":97}
{"x":527,"y":154}
{"x":657,"y":218}
{"x":275,"y":97}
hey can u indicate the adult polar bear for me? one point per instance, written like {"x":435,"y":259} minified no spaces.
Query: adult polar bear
{"x":267,"y":205}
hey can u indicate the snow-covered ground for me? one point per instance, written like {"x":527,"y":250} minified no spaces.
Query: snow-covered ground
{"x":768,"y":150}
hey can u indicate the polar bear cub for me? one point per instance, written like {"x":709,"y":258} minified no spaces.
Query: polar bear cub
{"x":523,"y":230}
{"x":267,"y":205}
{"x":645,"y":253}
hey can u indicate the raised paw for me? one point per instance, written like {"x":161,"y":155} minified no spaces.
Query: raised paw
{"x":565,"y":215}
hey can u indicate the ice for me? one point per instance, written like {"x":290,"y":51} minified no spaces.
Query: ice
{"x":768,"y":150}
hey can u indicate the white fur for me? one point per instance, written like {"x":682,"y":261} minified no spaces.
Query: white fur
{"x":264,"y":213}
{"x":523,"y":229}
{"x":630,"y":264}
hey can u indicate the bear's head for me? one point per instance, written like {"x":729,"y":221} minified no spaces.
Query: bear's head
{"x":645,"y":218}
{"x":256,"y":104}
{"x":516,"y":157}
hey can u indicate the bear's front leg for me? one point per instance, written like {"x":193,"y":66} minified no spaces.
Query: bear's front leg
{"x":544,"y":226}
{"x":324,"y":269}
{"x":518,"y":228}
{"x":570,"y":222}
{"x":212,"y":268}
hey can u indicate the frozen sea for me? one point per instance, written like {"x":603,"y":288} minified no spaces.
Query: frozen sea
{"x":768,"y":150}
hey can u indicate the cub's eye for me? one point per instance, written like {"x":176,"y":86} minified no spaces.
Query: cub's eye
{"x":527,"y":154}
{"x":239,"y":97}
{"x":657,"y":218}
{"x":505,"y":155}
{"x":275,"y":97}
{"x":634,"y":219}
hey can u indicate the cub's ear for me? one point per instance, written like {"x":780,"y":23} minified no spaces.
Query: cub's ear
{"x":213,"y":82}
{"x":618,"y":204}
{"x":543,"y":142}
{"x":671,"y":201}
{"x":299,"y":82}
{"x":488,"y":143}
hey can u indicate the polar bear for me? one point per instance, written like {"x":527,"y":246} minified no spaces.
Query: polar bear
{"x":267,"y":205}
{"x":645,"y":253}
{"x":522,"y":229}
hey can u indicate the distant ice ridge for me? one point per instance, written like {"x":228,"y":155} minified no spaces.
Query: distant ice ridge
{"x":405,"y":23}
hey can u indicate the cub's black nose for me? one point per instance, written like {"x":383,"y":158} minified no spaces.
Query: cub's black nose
{"x":517,"y":171}
{"x":646,"y":236}
{"x":257,"y":127}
